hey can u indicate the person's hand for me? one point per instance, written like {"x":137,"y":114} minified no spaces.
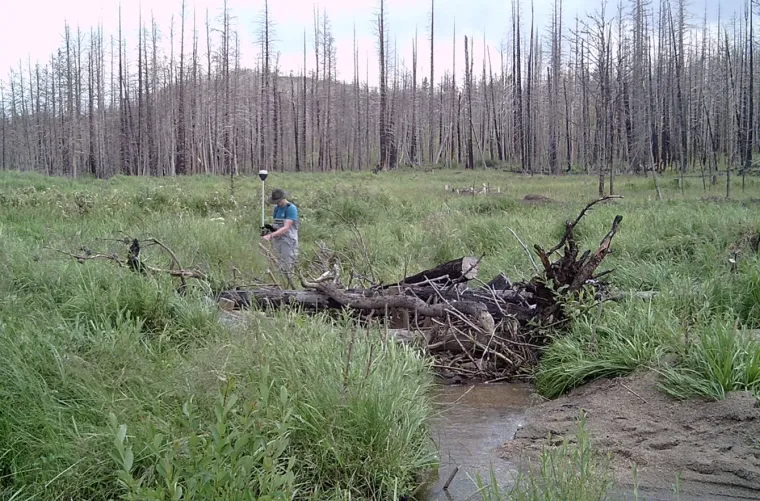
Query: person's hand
{"x":267,"y":237}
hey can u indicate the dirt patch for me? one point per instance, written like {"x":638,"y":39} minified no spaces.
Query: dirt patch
{"x":715,"y":446}
{"x":536,"y":199}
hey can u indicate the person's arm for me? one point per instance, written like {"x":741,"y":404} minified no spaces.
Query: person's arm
{"x":285,"y":227}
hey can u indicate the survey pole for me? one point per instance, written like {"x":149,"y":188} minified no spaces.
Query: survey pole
{"x":263,"y":176}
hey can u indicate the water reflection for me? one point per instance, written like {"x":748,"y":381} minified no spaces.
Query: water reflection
{"x":472,"y":422}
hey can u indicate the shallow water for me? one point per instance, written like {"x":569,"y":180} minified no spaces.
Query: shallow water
{"x":473,"y":421}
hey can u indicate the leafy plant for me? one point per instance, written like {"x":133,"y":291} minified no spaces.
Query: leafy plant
{"x":237,"y":458}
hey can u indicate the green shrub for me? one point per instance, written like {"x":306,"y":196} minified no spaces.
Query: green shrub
{"x":362,"y":404}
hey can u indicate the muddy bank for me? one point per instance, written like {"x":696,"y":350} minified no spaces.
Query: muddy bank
{"x":715,"y":446}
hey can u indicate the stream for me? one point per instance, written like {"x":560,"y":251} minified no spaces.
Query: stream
{"x":472,"y":422}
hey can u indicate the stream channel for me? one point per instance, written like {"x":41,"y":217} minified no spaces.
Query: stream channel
{"x":472,"y":422}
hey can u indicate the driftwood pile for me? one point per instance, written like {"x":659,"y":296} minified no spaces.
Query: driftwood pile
{"x":486,"y":331}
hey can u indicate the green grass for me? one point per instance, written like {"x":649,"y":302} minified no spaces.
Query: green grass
{"x":84,"y":341}
{"x":615,"y":343}
{"x":569,"y":471}
{"x":716,"y":359}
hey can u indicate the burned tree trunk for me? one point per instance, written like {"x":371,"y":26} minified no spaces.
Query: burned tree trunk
{"x":458,"y":270}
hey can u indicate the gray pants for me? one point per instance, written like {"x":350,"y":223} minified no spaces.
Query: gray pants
{"x":286,"y":249}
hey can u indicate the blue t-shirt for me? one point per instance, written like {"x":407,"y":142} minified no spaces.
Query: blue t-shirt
{"x":290,"y":211}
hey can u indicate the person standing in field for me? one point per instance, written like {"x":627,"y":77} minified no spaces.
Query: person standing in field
{"x":284,"y":238}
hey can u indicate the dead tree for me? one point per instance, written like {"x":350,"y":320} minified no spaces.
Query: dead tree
{"x":180,"y":121}
{"x":382,"y":123}
{"x":431,"y":99}
{"x":468,"y":91}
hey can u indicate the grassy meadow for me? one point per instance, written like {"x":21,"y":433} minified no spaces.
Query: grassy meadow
{"x":114,"y":386}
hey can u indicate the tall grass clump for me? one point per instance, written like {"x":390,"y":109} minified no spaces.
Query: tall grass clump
{"x":715,"y":359}
{"x":361,"y":405}
{"x":570,"y":471}
{"x":347,"y":409}
{"x":357,"y":409}
{"x":613,"y":342}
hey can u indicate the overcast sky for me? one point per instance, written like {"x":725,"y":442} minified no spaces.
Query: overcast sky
{"x":34,"y":28}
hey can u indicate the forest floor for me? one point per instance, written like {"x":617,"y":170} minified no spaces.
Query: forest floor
{"x":106,"y":371}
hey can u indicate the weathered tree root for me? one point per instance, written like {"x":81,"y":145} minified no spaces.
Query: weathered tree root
{"x":135,"y":263}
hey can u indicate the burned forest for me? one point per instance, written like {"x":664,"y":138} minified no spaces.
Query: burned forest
{"x":383,"y":251}
{"x":648,"y":87}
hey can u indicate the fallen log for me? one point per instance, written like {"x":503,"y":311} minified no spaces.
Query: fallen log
{"x":458,"y":270}
{"x":500,"y":303}
{"x":276,"y":298}
{"x":499,"y":282}
{"x":418,"y":299}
